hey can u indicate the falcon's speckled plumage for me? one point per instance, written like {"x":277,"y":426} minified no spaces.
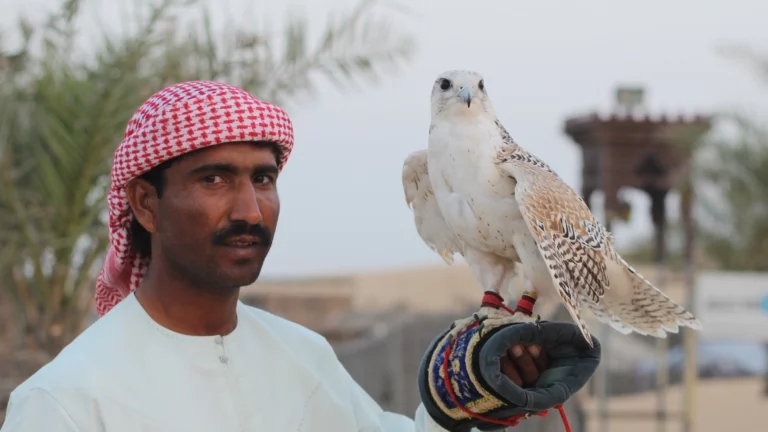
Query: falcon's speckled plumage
{"x":474,"y":191}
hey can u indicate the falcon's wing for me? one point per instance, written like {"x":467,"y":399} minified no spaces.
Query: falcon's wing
{"x":573,"y":244}
{"x":420,"y":196}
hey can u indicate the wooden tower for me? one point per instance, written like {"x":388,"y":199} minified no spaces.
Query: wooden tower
{"x":624,"y":149}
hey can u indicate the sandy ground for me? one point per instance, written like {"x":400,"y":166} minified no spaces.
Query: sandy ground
{"x":736,"y":405}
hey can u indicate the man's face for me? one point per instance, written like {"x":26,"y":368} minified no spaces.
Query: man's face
{"x":218,"y":213}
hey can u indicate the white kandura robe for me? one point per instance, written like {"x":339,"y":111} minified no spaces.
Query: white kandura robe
{"x":126,"y":373}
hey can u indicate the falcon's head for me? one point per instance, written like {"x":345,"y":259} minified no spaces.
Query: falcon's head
{"x":460,"y":92}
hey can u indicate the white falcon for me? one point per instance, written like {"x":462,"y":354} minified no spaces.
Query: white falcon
{"x":476,"y":192}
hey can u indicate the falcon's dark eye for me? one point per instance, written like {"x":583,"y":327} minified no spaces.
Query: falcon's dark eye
{"x":445,"y":84}
{"x":481,"y":85}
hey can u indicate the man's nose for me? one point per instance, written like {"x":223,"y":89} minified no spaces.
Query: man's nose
{"x":246,"y":205}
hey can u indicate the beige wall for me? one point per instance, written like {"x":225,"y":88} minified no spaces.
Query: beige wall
{"x":436,"y":288}
{"x":432,"y":289}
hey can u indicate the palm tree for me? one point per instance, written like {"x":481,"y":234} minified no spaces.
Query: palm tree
{"x":63,"y":111}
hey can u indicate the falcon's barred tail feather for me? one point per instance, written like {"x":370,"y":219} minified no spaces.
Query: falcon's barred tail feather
{"x":606,"y":317}
{"x":647,"y":311}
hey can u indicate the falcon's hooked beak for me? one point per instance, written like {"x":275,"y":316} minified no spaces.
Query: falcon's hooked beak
{"x":465,"y":94}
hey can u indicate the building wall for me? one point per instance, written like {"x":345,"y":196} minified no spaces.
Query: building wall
{"x":436,"y":288}
{"x":307,"y":309}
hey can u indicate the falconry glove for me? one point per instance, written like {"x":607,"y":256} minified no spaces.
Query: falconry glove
{"x":468,"y":356}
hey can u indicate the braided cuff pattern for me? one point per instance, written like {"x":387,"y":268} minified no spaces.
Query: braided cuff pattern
{"x":475,"y":394}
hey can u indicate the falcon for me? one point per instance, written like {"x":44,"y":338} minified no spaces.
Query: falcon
{"x":476,"y":192}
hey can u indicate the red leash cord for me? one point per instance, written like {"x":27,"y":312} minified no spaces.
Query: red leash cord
{"x":492,"y":299}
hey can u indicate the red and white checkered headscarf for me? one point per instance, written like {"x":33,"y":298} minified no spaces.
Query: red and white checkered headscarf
{"x":176,"y":120}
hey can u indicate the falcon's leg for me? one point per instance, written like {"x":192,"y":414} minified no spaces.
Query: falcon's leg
{"x":525,"y":305}
{"x":524,"y":309}
{"x":495,"y":287}
{"x":522,"y":313}
{"x":488,"y":269}
{"x":491,"y":271}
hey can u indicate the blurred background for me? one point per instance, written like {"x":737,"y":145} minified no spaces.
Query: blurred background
{"x":654,"y":111}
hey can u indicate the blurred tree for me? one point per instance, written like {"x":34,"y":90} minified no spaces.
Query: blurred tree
{"x":733,"y":173}
{"x":63,"y":111}
{"x":734,"y":185}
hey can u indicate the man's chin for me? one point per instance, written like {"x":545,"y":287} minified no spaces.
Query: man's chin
{"x":240,"y":277}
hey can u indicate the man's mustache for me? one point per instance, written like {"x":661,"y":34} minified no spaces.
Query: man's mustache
{"x":240,"y":228}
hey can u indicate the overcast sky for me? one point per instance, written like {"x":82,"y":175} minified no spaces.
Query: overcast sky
{"x":342,"y":201}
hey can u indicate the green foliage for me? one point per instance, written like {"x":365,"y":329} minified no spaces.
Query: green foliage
{"x":733,"y":180}
{"x":63,"y":111}
{"x":735,"y":177}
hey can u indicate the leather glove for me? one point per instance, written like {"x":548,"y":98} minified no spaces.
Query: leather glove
{"x":480,"y":395}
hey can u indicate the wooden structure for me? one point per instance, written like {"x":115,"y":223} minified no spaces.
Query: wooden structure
{"x":649,"y":154}
{"x":652,"y":154}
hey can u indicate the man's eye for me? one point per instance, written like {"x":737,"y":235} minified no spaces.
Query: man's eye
{"x":262,"y":179}
{"x":213,"y":179}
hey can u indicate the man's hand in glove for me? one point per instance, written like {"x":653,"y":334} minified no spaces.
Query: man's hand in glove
{"x":524,"y":364}
{"x":493,"y":369}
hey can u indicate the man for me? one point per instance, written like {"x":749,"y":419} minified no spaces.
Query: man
{"x":193,"y":208}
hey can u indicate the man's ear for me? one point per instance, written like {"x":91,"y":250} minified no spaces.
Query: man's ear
{"x":143,"y":200}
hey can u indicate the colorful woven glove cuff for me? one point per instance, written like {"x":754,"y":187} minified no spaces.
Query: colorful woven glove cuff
{"x":480,"y":396}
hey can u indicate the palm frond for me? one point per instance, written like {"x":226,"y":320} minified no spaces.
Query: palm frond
{"x":63,"y":111}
